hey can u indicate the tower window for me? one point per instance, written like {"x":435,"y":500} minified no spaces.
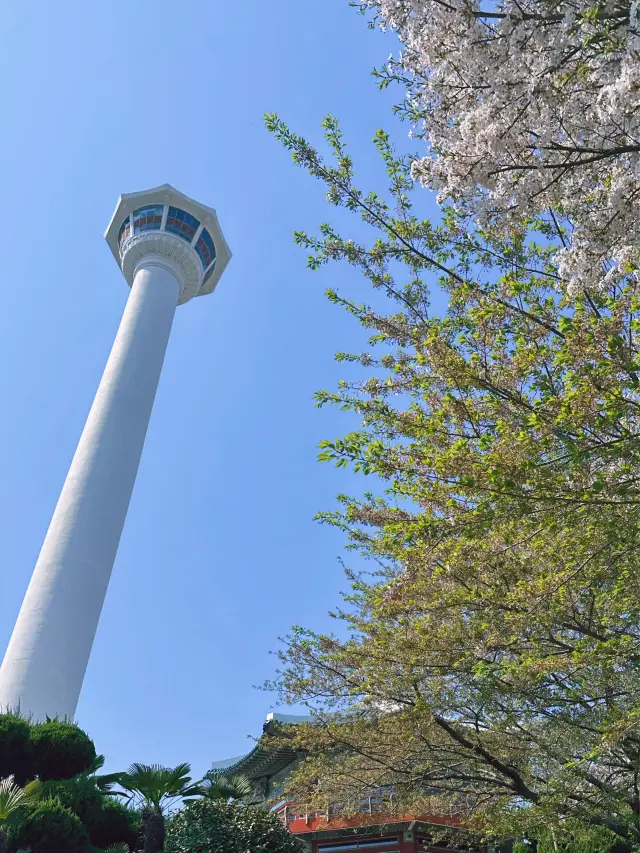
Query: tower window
{"x":205,"y":248}
{"x":147,"y":218}
{"x":125,"y":231}
{"x":182,"y":223}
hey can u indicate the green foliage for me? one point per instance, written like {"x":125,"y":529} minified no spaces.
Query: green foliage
{"x":14,"y":799}
{"x":60,"y":750}
{"x":114,"y":823}
{"x":74,"y":803}
{"x":79,"y":794}
{"x":158,"y":786}
{"x":104,"y":782}
{"x":578,"y":839}
{"x":15,"y":748}
{"x":154,"y":789}
{"x":209,"y":826}
{"x":216,"y":786}
{"x":487,"y":664}
{"x":49,"y":827}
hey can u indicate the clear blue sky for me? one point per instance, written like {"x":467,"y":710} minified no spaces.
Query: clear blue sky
{"x":220,"y":554}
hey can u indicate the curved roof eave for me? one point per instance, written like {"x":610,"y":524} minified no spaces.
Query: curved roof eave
{"x":261,"y":761}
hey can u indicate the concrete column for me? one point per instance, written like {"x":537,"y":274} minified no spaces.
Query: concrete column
{"x":47,"y":656}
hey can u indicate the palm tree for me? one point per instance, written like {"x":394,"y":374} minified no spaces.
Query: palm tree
{"x":155,"y":789}
{"x":216,"y":786}
{"x":12,"y":799}
{"x":104,"y":782}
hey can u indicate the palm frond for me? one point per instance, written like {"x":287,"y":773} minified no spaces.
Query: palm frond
{"x":97,"y":764}
{"x":154,"y":783}
{"x":106,"y":781}
{"x":216,"y":786}
{"x":33,"y":790}
{"x":13,"y":797}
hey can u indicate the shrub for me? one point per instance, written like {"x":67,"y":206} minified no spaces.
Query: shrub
{"x":114,"y":823}
{"x":207,"y":826}
{"x":49,"y":827}
{"x":80,"y":795}
{"x":15,"y":748}
{"x":60,"y":750}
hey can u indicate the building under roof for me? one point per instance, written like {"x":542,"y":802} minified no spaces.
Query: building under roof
{"x":268,"y":766}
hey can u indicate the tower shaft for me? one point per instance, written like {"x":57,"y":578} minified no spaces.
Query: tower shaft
{"x":47,"y":656}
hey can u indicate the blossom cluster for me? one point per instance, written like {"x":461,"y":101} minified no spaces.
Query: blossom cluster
{"x":529,"y":106}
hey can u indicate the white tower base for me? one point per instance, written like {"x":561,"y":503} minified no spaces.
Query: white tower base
{"x":44,"y":666}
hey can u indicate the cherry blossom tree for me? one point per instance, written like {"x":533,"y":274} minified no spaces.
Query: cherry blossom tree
{"x":529,"y":108}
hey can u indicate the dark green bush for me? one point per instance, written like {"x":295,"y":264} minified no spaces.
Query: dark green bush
{"x":60,"y":750}
{"x":15,"y":748}
{"x":114,"y":823}
{"x":49,"y":827}
{"x":207,"y":826}
{"x":81,"y":795}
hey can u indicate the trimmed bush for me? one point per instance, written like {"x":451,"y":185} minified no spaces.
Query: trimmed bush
{"x":60,"y":750}
{"x":80,"y":795}
{"x":49,"y":827}
{"x":114,"y":823}
{"x":207,"y":826}
{"x":15,"y":748}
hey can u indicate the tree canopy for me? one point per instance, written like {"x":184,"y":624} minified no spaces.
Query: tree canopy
{"x":488,"y":661}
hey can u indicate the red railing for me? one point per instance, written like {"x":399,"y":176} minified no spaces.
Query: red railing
{"x":299,"y":821}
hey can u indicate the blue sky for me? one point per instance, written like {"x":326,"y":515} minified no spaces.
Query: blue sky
{"x":220,"y":554}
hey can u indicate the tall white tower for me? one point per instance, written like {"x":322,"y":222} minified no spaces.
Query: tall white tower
{"x":170,"y":249}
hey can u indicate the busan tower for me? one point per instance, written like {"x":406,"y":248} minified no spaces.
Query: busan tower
{"x":170,"y":249}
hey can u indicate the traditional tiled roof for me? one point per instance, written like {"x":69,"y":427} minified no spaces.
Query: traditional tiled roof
{"x":263,"y":760}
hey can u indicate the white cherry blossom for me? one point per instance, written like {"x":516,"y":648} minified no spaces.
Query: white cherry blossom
{"x":529,"y":106}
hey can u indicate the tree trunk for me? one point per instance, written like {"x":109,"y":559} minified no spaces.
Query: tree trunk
{"x":3,"y":841}
{"x":153,"y":829}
